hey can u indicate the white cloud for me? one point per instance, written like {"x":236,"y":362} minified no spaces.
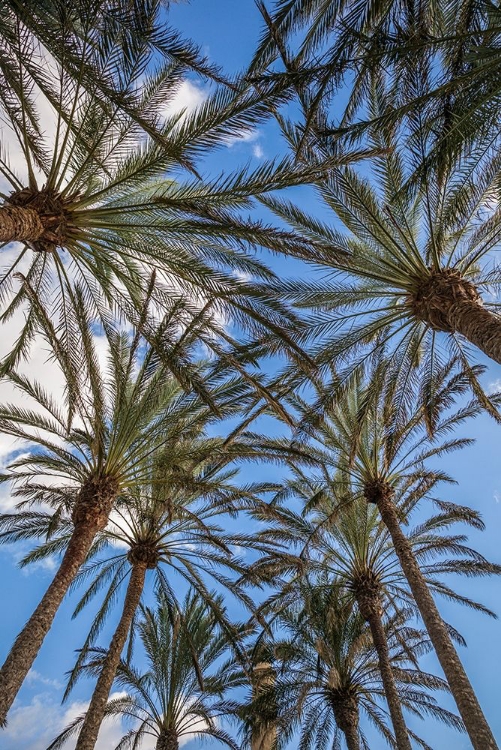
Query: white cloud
{"x":38,"y":366}
{"x":493,"y":387}
{"x":34,"y":725}
{"x":34,"y":677}
{"x":11,"y":148}
{"x":246,"y":136}
{"x":188,"y":98}
{"x":258,"y":151}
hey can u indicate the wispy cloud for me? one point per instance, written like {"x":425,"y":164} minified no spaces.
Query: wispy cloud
{"x":34,"y":677}
{"x":493,"y":387}
{"x":258,"y":151}
{"x":32,"y":726}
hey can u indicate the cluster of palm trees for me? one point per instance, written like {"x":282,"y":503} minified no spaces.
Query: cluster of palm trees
{"x":114,"y":241}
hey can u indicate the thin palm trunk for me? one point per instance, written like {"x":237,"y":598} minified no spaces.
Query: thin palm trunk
{"x":264,"y":733}
{"x":20,"y":224}
{"x":167,"y":740}
{"x":370,"y":609}
{"x":96,"y":711}
{"x":351,"y":735}
{"x":475,"y":722}
{"x":89,"y":517}
{"x":30,"y":639}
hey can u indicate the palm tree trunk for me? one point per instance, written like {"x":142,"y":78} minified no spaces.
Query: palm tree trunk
{"x":351,"y":736}
{"x":370,"y":609}
{"x":20,"y":224}
{"x":167,"y":740}
{"x":475,"y":722}
{"x":264,"y":733}
{"x":448,"y":302}
{"x":90,"y":516}
{"x":96,"y":711}
{"x":480,"y":326}
{"x":30,"y":639}
{"x":346,"y":716}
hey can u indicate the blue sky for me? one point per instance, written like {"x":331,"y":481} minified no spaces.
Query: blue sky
{"x":227,"y":31}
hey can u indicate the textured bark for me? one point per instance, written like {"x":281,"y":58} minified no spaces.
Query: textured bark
{"x":30,"y":639}
{"x":167,"y":740}
{"x":369,"y":603}
{"x":95,"y":713}
{"x":480,"y":326}
{"x":20,"y":224}
{"x":351,"y":736}
{"x":264,"y":734}
{"x":346,"y":715}
{"x":447,"y":302}
{"x":477,"y":727}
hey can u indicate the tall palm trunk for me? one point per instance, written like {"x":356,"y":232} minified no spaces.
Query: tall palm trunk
{"x":264,"y":733}
{"x":477,"y":727}
{"x":89,"y":517}
{"x":346,"y":715}
{"x":96,"y":711}
{"x":20,"y":224}
{"x":167,"y":740}
{"x":369,"y":603}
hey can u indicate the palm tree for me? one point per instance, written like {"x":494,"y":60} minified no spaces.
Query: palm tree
{"x":181,"y":693}
{"x":96,"y":194}
{"x":412,"y":277}
{"x":96,"y":202}
{"x":356,"y":551}
{"x":377,"y":449}
{"x":89,"y":452}
{"x":261,"y":726}
{"x":327,"y":672}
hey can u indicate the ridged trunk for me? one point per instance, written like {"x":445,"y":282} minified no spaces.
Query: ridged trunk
{"x":351,"y":736}
{"x":90,"y":516}
{"x":448,"y":302}
{"x":346,"y":716}
{"x":20,"y":224}
{"x":167,"y":740}
{"x":264,"y":733}
{"x":87,"y":737}
{"x":480,"y":326}
{"x":475,"y":722}
{"x":369,"y":603}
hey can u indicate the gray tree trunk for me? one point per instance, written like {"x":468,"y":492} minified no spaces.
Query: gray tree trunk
{"x":90,"y":515}
{"x":347,"y":719}
{"x":167,"y":740}
{"x":30,"y":639}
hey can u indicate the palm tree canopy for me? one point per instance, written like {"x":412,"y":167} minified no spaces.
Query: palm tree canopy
{"x":113,"y":417}
{"x":98,"y":202}
{"x":402,"y":259}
